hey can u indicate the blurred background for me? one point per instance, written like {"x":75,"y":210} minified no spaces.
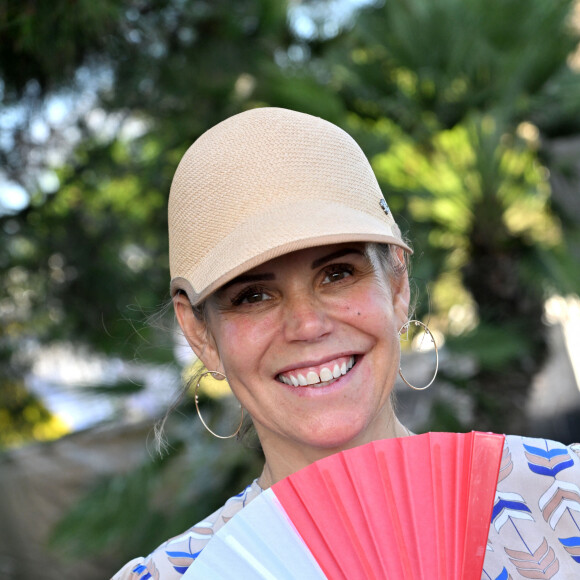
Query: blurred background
{"x":469,"y":111}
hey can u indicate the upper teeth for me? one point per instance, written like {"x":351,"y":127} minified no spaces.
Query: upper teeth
{"x":312,"y":377}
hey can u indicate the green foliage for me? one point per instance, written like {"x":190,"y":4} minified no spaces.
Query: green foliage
{"x":496,"y":347}
{"x":417,"y":61}
{"x":45,"y":42}
{"x":84,"y":256}
{"x":443,"y":418}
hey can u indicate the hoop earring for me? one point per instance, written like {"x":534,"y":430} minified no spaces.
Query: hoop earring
{"x":427,"y":332}
{"x":199,"y":413}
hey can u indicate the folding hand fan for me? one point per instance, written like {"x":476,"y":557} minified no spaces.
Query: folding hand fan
{"x":414,"y":508}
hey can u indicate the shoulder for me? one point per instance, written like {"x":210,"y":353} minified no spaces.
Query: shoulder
{"x":529,"y":458}
{"x":171,"y":559}
{"x":534,"y":531}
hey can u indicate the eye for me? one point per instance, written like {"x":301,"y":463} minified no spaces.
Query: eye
{"x":337,"y":272}
{"x":250,"y":295}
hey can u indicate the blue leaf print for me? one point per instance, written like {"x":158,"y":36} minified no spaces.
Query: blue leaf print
{"x":507,"y":506}
{"x":572,"y":546}
{"x":546,"y":453}
{"x":548,"y":462}
{"x":503,"y":575}
{"x":181,"y":561}
{"x":139,"y":569}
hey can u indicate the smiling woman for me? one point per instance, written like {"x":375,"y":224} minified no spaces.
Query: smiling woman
{"x":288,"y":277}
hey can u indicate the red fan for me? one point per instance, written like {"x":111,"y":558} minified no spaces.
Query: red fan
{"x":414,"y":508}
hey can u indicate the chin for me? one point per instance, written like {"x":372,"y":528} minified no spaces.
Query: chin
{"x":337,"y":438}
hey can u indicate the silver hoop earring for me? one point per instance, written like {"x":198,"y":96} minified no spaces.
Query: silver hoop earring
{"x":428,"y":333}
{"x":199,"y":413}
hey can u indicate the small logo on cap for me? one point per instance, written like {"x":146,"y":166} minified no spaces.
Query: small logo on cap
{"x":385,"y":207}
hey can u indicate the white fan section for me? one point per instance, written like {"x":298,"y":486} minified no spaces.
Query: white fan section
{"x":258,"y":543}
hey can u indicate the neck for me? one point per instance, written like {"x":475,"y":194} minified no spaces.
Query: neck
{"x":284,"y":459}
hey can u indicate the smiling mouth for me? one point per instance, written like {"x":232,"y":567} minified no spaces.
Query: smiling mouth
{"x":318,"y":376}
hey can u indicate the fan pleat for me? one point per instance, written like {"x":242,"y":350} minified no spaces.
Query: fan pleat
{"x":348,"y":502}
{"x":417,"y":505}
{"x":486,"y":456}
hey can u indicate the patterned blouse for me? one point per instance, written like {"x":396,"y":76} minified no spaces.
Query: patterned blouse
{"x":534,"y":531}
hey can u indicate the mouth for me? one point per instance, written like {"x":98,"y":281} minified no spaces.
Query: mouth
{"x":318,"y":376}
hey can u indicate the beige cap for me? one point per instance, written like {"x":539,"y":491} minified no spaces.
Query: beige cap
{"x":264,"y":183}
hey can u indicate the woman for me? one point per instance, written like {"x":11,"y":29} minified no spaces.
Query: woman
{"x":289,"y":278}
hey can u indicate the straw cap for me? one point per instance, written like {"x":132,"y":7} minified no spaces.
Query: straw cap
{"x":264,"y":183}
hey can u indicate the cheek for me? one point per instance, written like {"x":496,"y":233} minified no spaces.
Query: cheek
{"x":243,"y":339}
{"x":371,"y":309}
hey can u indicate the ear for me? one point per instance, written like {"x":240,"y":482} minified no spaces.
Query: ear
{"x":196,"y":333}
{"x":401,"y":292}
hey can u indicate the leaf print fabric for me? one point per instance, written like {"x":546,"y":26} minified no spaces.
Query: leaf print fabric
{"x":558,"y":499}
{"x":572,"y":546}
{"x":509,"y":506}
{"x":534,"y":531}
{"x":548,"y":461}
{"x":536,"y":516}
{"x":541,"y":564}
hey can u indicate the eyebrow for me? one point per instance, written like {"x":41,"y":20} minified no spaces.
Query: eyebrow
{"x":245,"y":278}
{"x":333,"y":256}
{"x":267,"y":276}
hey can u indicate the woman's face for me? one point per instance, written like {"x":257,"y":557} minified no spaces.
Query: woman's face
{"x":309,"y":345}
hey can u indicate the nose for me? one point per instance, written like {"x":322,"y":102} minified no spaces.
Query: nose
{"x":305,"y":318}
